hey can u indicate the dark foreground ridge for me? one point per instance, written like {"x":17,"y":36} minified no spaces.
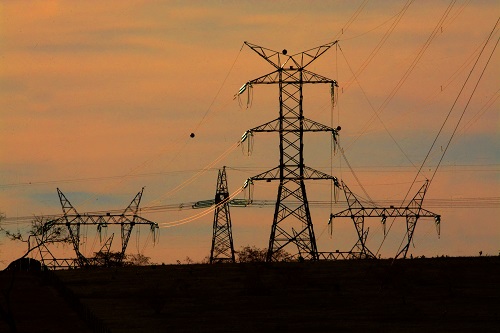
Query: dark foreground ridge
{"x":437,"y":295}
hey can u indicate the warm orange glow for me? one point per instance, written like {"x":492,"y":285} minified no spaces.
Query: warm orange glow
{"x":100,"y":90}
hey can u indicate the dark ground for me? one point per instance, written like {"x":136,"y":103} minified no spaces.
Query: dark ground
{"x":417,"y":295}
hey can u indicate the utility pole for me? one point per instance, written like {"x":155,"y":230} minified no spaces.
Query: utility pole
{"x":292,"y":224}
{"x":222,"y":240}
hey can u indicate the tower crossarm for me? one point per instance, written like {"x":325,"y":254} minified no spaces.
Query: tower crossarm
{"x":309,"y":173}
{"x":141,"y":220}
{"x":269,"y":175}
{"x":308,"y":125}
{"x":275,"y":58}
{"x":384,"y":212}
{"x":289,"y":75}
{"x":108,"y":219}
{"x":304,"y":58}
{"x":314,"y":126}
{"x":280,"y":59}
{"x":414,"y":207}
{"x":310,"y":77}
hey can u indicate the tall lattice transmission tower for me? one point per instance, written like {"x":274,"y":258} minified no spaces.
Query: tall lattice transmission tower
{"x":292,"y":222}
{"x":222,"y":239}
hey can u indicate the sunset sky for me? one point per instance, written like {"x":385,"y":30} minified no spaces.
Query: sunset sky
{"x":99,"y":99}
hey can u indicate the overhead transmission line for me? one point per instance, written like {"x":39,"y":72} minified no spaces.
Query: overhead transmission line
{"x":374,"y":111}
{"x":453,"y":203}
{"x":133,"y":172}
{"x":407,"y":73}
{"x":372,"y":54}
{"x":199,"y":215}
{"x":209,"y":109}
{"x":451,"y":109}
{"x":353,"y":18}
{"x":463,"y":112}
{"x":481,"y":111}
{"x":175,"y":155}
{"x":453,"y":77}
{"x":398,"y":17}
{"x":198,"y":174}
{"x":378,"y":26}
{"x":453,"y":106}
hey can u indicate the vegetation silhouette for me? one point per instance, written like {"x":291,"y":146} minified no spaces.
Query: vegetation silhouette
{"x":248,"y":254}
{"x":41,"y":233}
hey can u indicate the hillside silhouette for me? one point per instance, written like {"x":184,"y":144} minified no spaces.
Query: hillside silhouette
{"x":413,"y":295}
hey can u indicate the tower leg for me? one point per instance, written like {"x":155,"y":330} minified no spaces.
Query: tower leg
{"x":292,"y":224}
{"x":360,"y":246}
{"x":411,"y":222}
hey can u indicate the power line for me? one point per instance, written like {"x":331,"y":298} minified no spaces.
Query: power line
{"x":483,"y":202}
{"x":377,"y":48}
{"x":493,"y":167}
{"x":407,"y":73}
{"x":461,"y":116}
{"x":451,"y":109}
{"x":465,"y":108}
{"x":405,"y":7}
{"x":96,"y":179}
{"x":352,"y":19}
{"x":209,"y":109}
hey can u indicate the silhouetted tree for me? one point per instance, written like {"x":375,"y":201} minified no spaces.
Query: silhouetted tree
{"x":254,"y":254}
{"x":42,"y":232}
{"x":108,"y":259}
{"x":251,"y":254}
{"x":114,"y":258}
{"x":138,"y":260}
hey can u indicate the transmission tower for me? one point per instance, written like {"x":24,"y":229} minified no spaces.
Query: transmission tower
{"x":222,"y":240}
{"x":291,"y":224}
{"x":126,"y":220}
{"x":357,"y":212}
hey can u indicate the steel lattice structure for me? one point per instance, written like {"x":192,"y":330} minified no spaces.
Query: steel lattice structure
{"x":51,"y":262}
{"x":357,"y":212}
{"x":222,"y":239}
{"x":74,"y":220}
{"x":291,"y":225}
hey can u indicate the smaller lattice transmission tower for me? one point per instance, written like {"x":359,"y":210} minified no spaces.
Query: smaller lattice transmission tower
{"x":222,"y":240}
{"x":358,"y":212}
{"x":73,"y":221}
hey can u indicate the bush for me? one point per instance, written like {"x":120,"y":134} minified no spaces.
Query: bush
{"x":254,"y":254}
